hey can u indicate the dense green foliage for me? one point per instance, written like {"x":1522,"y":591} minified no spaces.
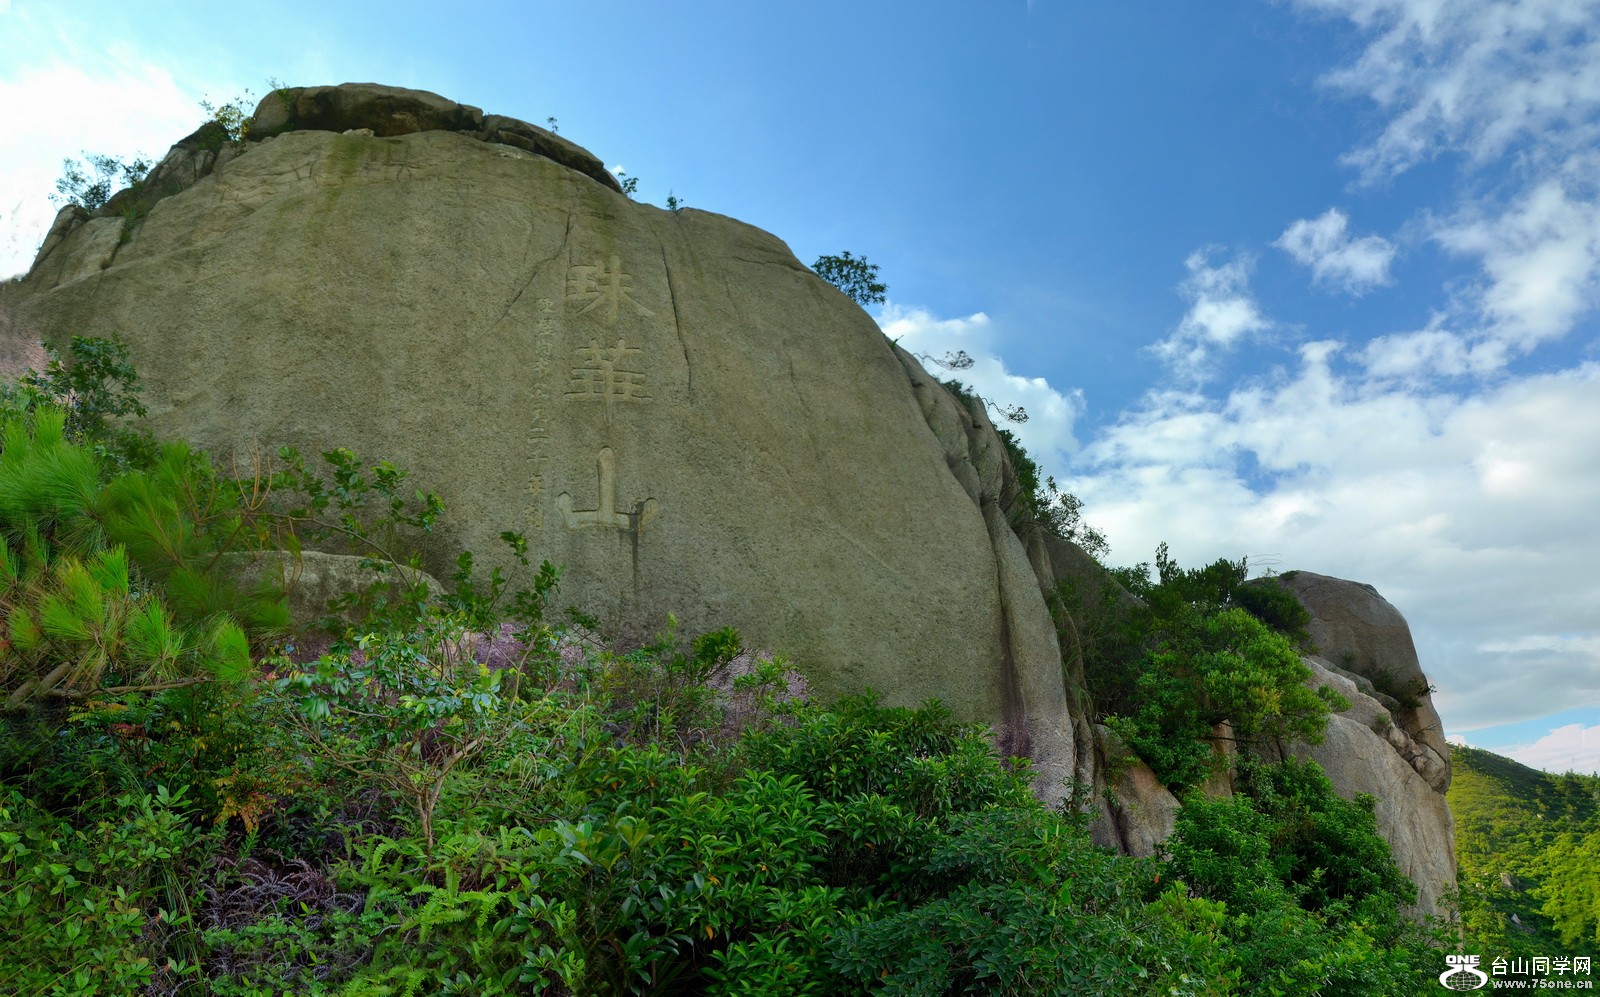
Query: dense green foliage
{"x":1319,"y":885}
{"x":1194,"y":648}
{"x":440,"y":804}
{"x":1528,"y":846}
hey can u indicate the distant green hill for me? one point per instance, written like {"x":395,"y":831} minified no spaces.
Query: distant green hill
{"x":1528,"y":845}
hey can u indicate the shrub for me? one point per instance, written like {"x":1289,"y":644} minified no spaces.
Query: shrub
{"x":404,"y":709}
{"x":1207,"y":669}
{"x":1315,"y":886}
{"x":853,"y":275}
{"x":90,"y":908}
{"x":90,"y":182}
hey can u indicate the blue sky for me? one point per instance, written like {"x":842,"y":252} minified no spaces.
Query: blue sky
{"x":1312,"y":281}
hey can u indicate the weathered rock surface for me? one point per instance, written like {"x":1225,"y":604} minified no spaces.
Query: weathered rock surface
{"x":1380,"y":745}
{"x":1413,"y":818}
{"x":312,"y":579}
{"x":377,"y":110}
{"x":1134,"y":813}
{"x":669,"y":404}
{"x":1361,"y":635}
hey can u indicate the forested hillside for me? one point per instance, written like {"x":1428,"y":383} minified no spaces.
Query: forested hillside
{"x":1528,"y":844}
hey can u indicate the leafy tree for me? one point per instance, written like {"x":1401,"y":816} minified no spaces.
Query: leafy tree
{"x":1194,"y":655}
{"x":97,"y":388}
{"x":90,"y":182}
{"x":854,"y":276}
{"x":233,"y":115}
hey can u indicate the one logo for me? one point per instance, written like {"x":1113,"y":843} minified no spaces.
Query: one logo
{"x":1463,"y":973}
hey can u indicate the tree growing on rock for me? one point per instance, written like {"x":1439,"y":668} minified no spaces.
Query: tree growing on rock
{"x":854,"y":276}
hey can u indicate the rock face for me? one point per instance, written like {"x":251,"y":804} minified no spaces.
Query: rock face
{"x":667,"y":403}
{"x":1362,"y":636}
{"x":1134,"y":813}
{"x":1389,"y":747}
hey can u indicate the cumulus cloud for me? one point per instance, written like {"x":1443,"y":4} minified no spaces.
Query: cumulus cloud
{"x":1473,"y":514}
{"x":1336,"y":259}
{"x":1472,"y":76}
{"x":1048,"y":432}
{"x":1573,"y":748}
{"x":1513,"y":86}
{"x":1221,"y":314}
{"x":1541,"y":262}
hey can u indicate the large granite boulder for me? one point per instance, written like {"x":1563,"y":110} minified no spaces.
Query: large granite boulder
{"x":1360,"y":635}
{"x":1389,"y":743}
{"x":1133,"y":813}
{"x":667,"y":403}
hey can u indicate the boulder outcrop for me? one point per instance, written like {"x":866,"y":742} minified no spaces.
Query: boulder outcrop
{"x":1361,"y":636}
{"x":667,"y":403}
{"x":1389,"y":743}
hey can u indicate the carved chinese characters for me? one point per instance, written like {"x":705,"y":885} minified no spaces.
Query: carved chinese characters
{"x":607,"y":513}
{"x":610,"y":368}
{"x":607,"y":374}
{"x":544,"y":333}
{"x":603,"y":290}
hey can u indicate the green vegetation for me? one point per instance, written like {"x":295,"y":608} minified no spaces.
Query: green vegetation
{"x":1319,"y":886}
{"x":461,"y":796}
{"x":1192,"y":649}
{"x":102,"y":185}
{"x":1528,"y":846}
{"x":233,"y":115}
{"x":1058,"y":512}
{"x":90,"y":182}
{"x":854,"y":276}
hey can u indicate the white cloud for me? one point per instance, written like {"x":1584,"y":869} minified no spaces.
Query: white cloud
{"x":114,"y":102}
{"x":1473,"y":514}
{"x":1221,"y":314}
{"x":1573,"y":748}
{"x":1479,"y":77}
{"x":1540,"y":258}
{"x":1513,"y":89}
{"x":1048,"y":432}
{"x":1324,"y":244}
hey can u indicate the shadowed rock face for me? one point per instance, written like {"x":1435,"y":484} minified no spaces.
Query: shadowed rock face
{"x":1364,"y":751}
{"x":667,"y":403}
